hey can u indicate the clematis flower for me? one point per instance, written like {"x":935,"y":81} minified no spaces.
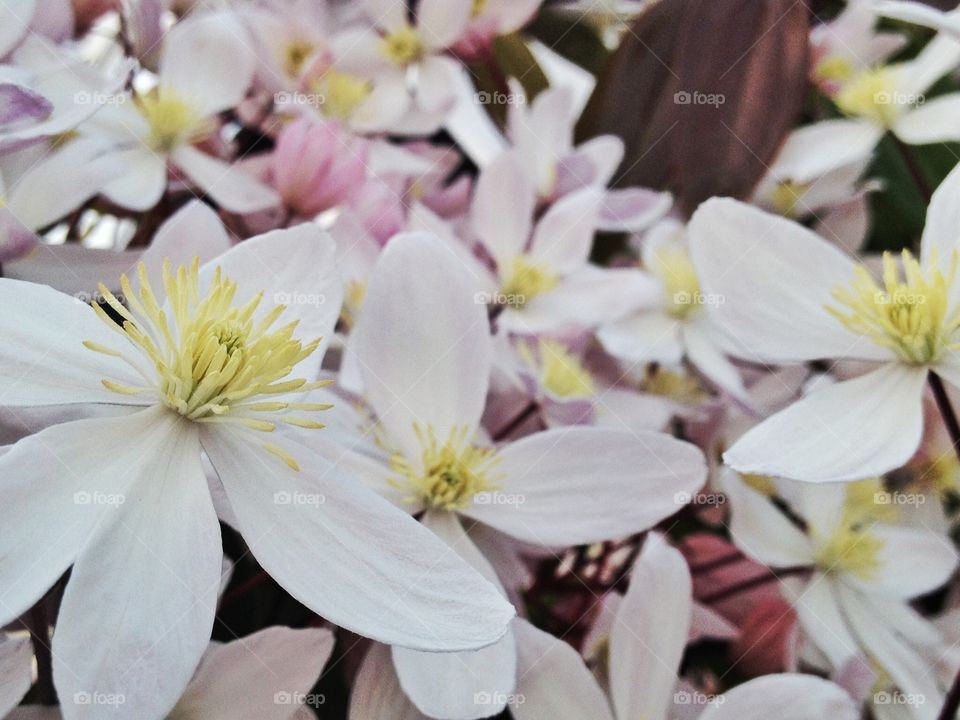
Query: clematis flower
{"x":543,"y":279}
{"x":51,"y":21}
{"x":542,"y":136}
{"x":164,"y":125}
{"x":491,"y":18}
{"x":203,"y":363}
{"x":267,"y":675}
{"x":865,"y":568}
{"x":813,"y":302}
{"x":675,"y":322}
{"x":429,"y":458}
{"x":407,"y":60}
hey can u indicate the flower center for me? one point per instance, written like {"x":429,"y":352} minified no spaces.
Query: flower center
{"x":213,"y":361}
{"x":295,"y":55}
{"x":525,"y":281}
{"x":849,"y":549}
{"x":787,"y":196}
{"x":403,"y":47}
{"x":672,"y":264}
{"x":560,"y":372}
{"x":912,"y":317}
{"x":451,"y":472}
{"x":342,"y":93}
{"x":173,"y":122}
{"x":478,"y":7}
{"x":834,"y":68}
{"x":354,"y":294}
{"x":872,"y":94}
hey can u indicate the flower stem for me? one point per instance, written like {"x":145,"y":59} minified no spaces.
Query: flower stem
{"x":752,"y":583}
{"x":528,"y":412}
{"x":919,"y":177}
{"x":40,"y":637}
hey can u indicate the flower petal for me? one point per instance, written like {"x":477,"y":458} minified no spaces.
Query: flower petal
{"x":231,"y":187}
{"x":647,"y":336}
{"x":789,"y":696}
{"x":151,"y":569}
{"x":638,"y":479}
{"x":822,"y":619}
{"x":775,"y":278}
{"x":502,"y":212}
{"x":16,"y":658}
{"x":376,"y":690}
{"x":851,"y":430}
{"x":932,"y":122}
{"x":383,"y":574}
{"x":564,"y":236}
{"x":911,"y":562}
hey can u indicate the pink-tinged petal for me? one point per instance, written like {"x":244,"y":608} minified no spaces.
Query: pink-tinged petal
{"x":592,"y":163}
{"x":632,"y":209}
{"x":424,"y":348}
{"x":18,"y":104}
{"x":621,"y":409}
{"x":151,"y":568}
{"x":650,"y":632}
{"x":778,"y":313}
{"x":193,"y":231}
{"x":543,"y":134}
{"x":193,"y":66}
{"x":43,"y":360}
{"x":639,"y":479}
{"x":553,"y":683}
{"x":851,"y":430}
{"x":932,"y":122}
{"x":787,"y":697}
{"x":231,"y":187}
{"x":264,"y":676}
{"x":650,"y":336}
{"x":502,"y":213}
{"x":387,"y":14}
{"x":464,"y":685}
{"x":435,"y":94}
{"x":383,"y":574}
{"x":16,"y":239}
{"x":143,"y":181}
{"x":564,"y":235}
{"x":16,"y":659}
{"x":442,"y":22}
{"x":14,"y":23}
{"x":761,"y":530}
{"x":72,"y":269}
{"x":376,"y":690}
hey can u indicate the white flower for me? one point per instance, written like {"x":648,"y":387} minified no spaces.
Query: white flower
{"x":791,"y":297}
{"x":203,"y":363}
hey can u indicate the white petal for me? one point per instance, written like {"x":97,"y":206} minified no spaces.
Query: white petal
{"x":854,"y":429}
{"x":376,"y":690}
{"x":264,"y":676}
{"x":387,"y":14}
{"x":775,"y":278}
{"x":918,"y":14}
{"x":822,"y":619}
{"x":632,"y":209}
{"x":71,"y":268}
{"x":938,"y":57}
{"x":814,"y":150}
{"x":382,"y":574}
{"x":650,"y":632}
{"x":143,"y":181}
{"x":564,"y":236}
{"x":553,"y":683}
{"x":647,"y":336}
{"x":464,"y":685}
{"x":193,"y":231}
{"x":151,"y":569}
{"x":760,"y":529}
{"x":43,"y":360}
{"x":932,"y":122}
{"x":502,"y":209}
{"x":700,"y":343}
{"x":911,"y":561}
{"x":442,"y":22}
{"x":637,"y":480}
{"x":435,"y":93}
{"x":424,"y":347}
{"x":230,"y":186}
{"x":16,"y":657}
{"x":14,"y":23}
{"x":193,"y":66}
{"x":785,"y":697}
{"x":939,"y":232}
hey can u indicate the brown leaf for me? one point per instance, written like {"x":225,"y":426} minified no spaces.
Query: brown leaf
{"x":703,"y":94}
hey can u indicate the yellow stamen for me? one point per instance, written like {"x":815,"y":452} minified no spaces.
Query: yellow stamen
{"x":787,"y":198}
{"x":295,"y":55}
{"x":449,"y":473}
{"x":560,"y":372}
{"x":873,"y":94}
{"x":911,"y":317}
{"x":834,"y":68}
{"x":403,"y":46}
{"x":672,"y":264}
{"x":525,"y":281}
{"x":342,"y":93}
{"x":173,"y":121}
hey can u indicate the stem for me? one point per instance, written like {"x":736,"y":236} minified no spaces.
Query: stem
{"x":919,"y":178}
{"x":750,"y":584}
{"x":715,"y":563}
{"x":40,"y":636}
{"x":529,"y":411}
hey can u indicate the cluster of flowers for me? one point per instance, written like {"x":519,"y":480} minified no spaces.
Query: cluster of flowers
{"x":274,"y":272}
